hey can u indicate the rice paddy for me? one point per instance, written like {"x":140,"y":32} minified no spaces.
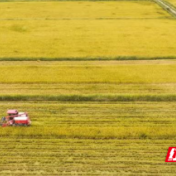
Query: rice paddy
{"x":71,"y":30}
{"x":64,"y":39}
{"x":76,"y":122}
{"x":89,"y":139}
{"x":97,"y":79}
{"x":65,"y":157}
{"x":76,"y":10}
{"x":152,"y":73}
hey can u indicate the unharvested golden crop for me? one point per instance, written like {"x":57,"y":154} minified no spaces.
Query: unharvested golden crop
{"x":77,"y":10}
{"x":105,"y":38}
{"x":89,"y":74}
{"x":88,"y":117}
{"x":84,"y":34}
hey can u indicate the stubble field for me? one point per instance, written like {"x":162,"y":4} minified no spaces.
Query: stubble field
{"x":90,"y":138}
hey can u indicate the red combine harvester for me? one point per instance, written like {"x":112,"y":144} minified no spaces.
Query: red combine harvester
{"x":15,"y":118}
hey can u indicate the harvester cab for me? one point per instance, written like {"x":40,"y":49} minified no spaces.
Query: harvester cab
{"x":15,"y":118}
{"x":11,"y":114}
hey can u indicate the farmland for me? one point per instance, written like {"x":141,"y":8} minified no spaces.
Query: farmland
{"x":90,"y":138}
{"x":47,"y":42}
{"x":77,"y":10}
{"x":65,"y":157}
{"x":74,"y":32}
{"x":89,"y":74}
{"x":76,"y":136}
{"x":98,"y":79}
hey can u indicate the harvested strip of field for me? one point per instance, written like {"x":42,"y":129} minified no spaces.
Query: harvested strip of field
{"x":80,"y":10}
{"x":37,"y":150}
{"x":84,"y":157}
{"x":126,"y":131}
{"x":89,"y":74}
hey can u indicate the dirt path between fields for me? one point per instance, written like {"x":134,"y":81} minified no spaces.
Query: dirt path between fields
{"x":88,"y":63}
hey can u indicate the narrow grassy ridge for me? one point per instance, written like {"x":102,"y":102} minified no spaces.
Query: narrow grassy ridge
{"x":98,"y":97}
{"x":118,"y":58}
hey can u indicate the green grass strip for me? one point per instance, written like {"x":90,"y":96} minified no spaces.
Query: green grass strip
{"x":101,"y":98}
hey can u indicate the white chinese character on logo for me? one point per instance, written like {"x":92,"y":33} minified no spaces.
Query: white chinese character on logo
{"x":172,"y":152}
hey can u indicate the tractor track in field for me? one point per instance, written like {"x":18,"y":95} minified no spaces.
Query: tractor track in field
{"x":167,"y":7}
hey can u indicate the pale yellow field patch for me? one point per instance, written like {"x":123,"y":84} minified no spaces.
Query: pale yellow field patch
{"x":78,"y":9}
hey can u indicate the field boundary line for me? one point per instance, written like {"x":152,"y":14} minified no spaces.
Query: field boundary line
{"x":64,"y":0}
{"x":120,"y":58}
{"x":91,"y":98}
{"x":167,"y":7}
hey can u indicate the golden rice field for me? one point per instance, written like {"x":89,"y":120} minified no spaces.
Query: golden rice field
{"x":80,"y":10}
{"x":65,"y":39}
{"x":128,"y":28}
{"x":88,"y":137}
{"x":93,"y":111}
{"x":97,"y":73}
